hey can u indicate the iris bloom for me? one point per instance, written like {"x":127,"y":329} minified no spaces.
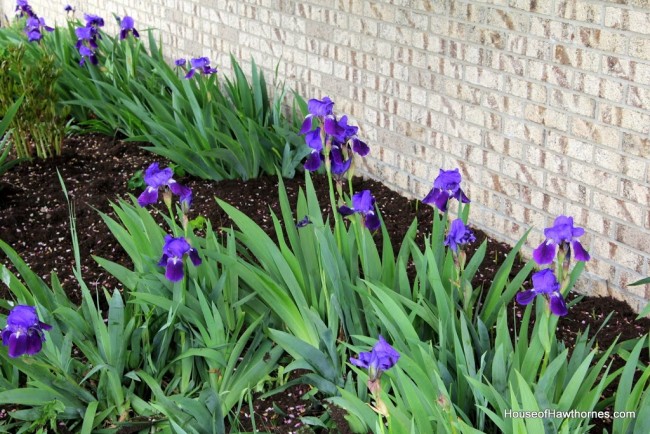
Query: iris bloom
{"x":180,"y":62}
{"x":381,"y":358}
{"x":157,"y":178}
{"x":304,"y":222}
{"x":94,"y":21}
{"x":459,"y":235}
{"x":201,"y":64}
{"x":315,"y":142}
{"x":24,"y":331}
{"x":174,"y":251}
{"x":562,"y":234}
{"x":446,"y":186}
{"x":316,"y":108}
{"x":87,"y":38}
{"x":127,"y":26}
{"x":34,"y":27}
{"x":545,"y":284}
{"x":364,"y":204}
{"x":339,"y":164}
{"x":68,"y":8}
{"x":85,"y":34}
{"x":338,"y":134}
{"x":24,"y":8}
{"x":87,"y":53}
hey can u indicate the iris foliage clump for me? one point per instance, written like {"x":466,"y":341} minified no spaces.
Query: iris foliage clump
{"x":396,"y":336}
{"x":214,"y":127}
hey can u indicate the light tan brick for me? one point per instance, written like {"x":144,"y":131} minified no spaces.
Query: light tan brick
{"x":618,"y":208}
{"x":545,"y":116}
{"x":595,"y":132}
{"x":636,"y":145}
{"x":626,"y":118}
{"x":482,"y":77}
{"x":573,"y":103}
{"x":584,"y":11}
{"x":640,"y":47}
{"x":585,"y":60}
{"x":594,"y":177}
{"x":608,"y":89}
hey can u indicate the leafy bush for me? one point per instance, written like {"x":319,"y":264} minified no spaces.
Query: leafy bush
{"x":40,"y":124}
{"x":5,"y":133}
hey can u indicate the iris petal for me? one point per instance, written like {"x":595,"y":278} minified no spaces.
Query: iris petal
{"x":360,"y":147}
{"x":306,"y":125}
{"x":430,"y":198}
{"x":372,"y":222}
{"x":545,"y":253}
{"x":558,"y":305}
{"x":313,"y":161}
{"x":460,"y":195}
{"x":148,"y":196}
{"x":34,"y":343}
{"x":363,"y":201}
{"x":17,"y":344}
{"x":6,"y":334}
{"x":346,"y":210}
{"x":174,"y":270}
{"x":580,"y":253}
{"x":313,"y":140}
{"x":526,"y":297}
{"x":194,"y":257}
{"x":441,"y":200}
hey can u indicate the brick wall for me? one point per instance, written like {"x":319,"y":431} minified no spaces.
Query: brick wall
{"x":544,"y":105}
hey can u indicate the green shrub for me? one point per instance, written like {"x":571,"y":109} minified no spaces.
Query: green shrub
{"x":40,"y":124}
{"x":5,"y":133}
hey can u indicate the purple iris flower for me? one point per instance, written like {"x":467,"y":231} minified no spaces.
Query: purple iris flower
{"x":315,"y":142}
{"x":446,"y":186}
{"x":127,"y":26}
{"x":24,"y":8}
{"x":304,"y":222}
{"x":94,"y":20}
{"x":68,"y":8}
{"x":157,"y":178}
{"x":180,"y":62}
{"x":340,"y":130}
{"x":338,"y":134}
{"x":360,"y":147}
{"x":339,"y":164}
{"x":201,"y":64}
{"x":24,"y":331}
{"x":84,"y":34}
{"x":173,"y":252}
{"x":459,"y":235}
{"x":381,"y":358}
{"x":318,"y":108}
{"x":314,"y":161}
{"x":545,"y":283}
{"x":87,"y":38}
{"x":87,"y":53}
{"x":562,"y":234}
{"x":364,"y":204}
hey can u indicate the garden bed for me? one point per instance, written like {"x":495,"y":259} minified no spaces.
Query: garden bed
{"x":97,"y":169}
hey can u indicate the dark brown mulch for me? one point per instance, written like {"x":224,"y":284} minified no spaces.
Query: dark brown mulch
{"x":96,"y":169}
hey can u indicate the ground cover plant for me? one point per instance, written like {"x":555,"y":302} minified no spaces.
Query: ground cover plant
{"x":202,"y":318}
